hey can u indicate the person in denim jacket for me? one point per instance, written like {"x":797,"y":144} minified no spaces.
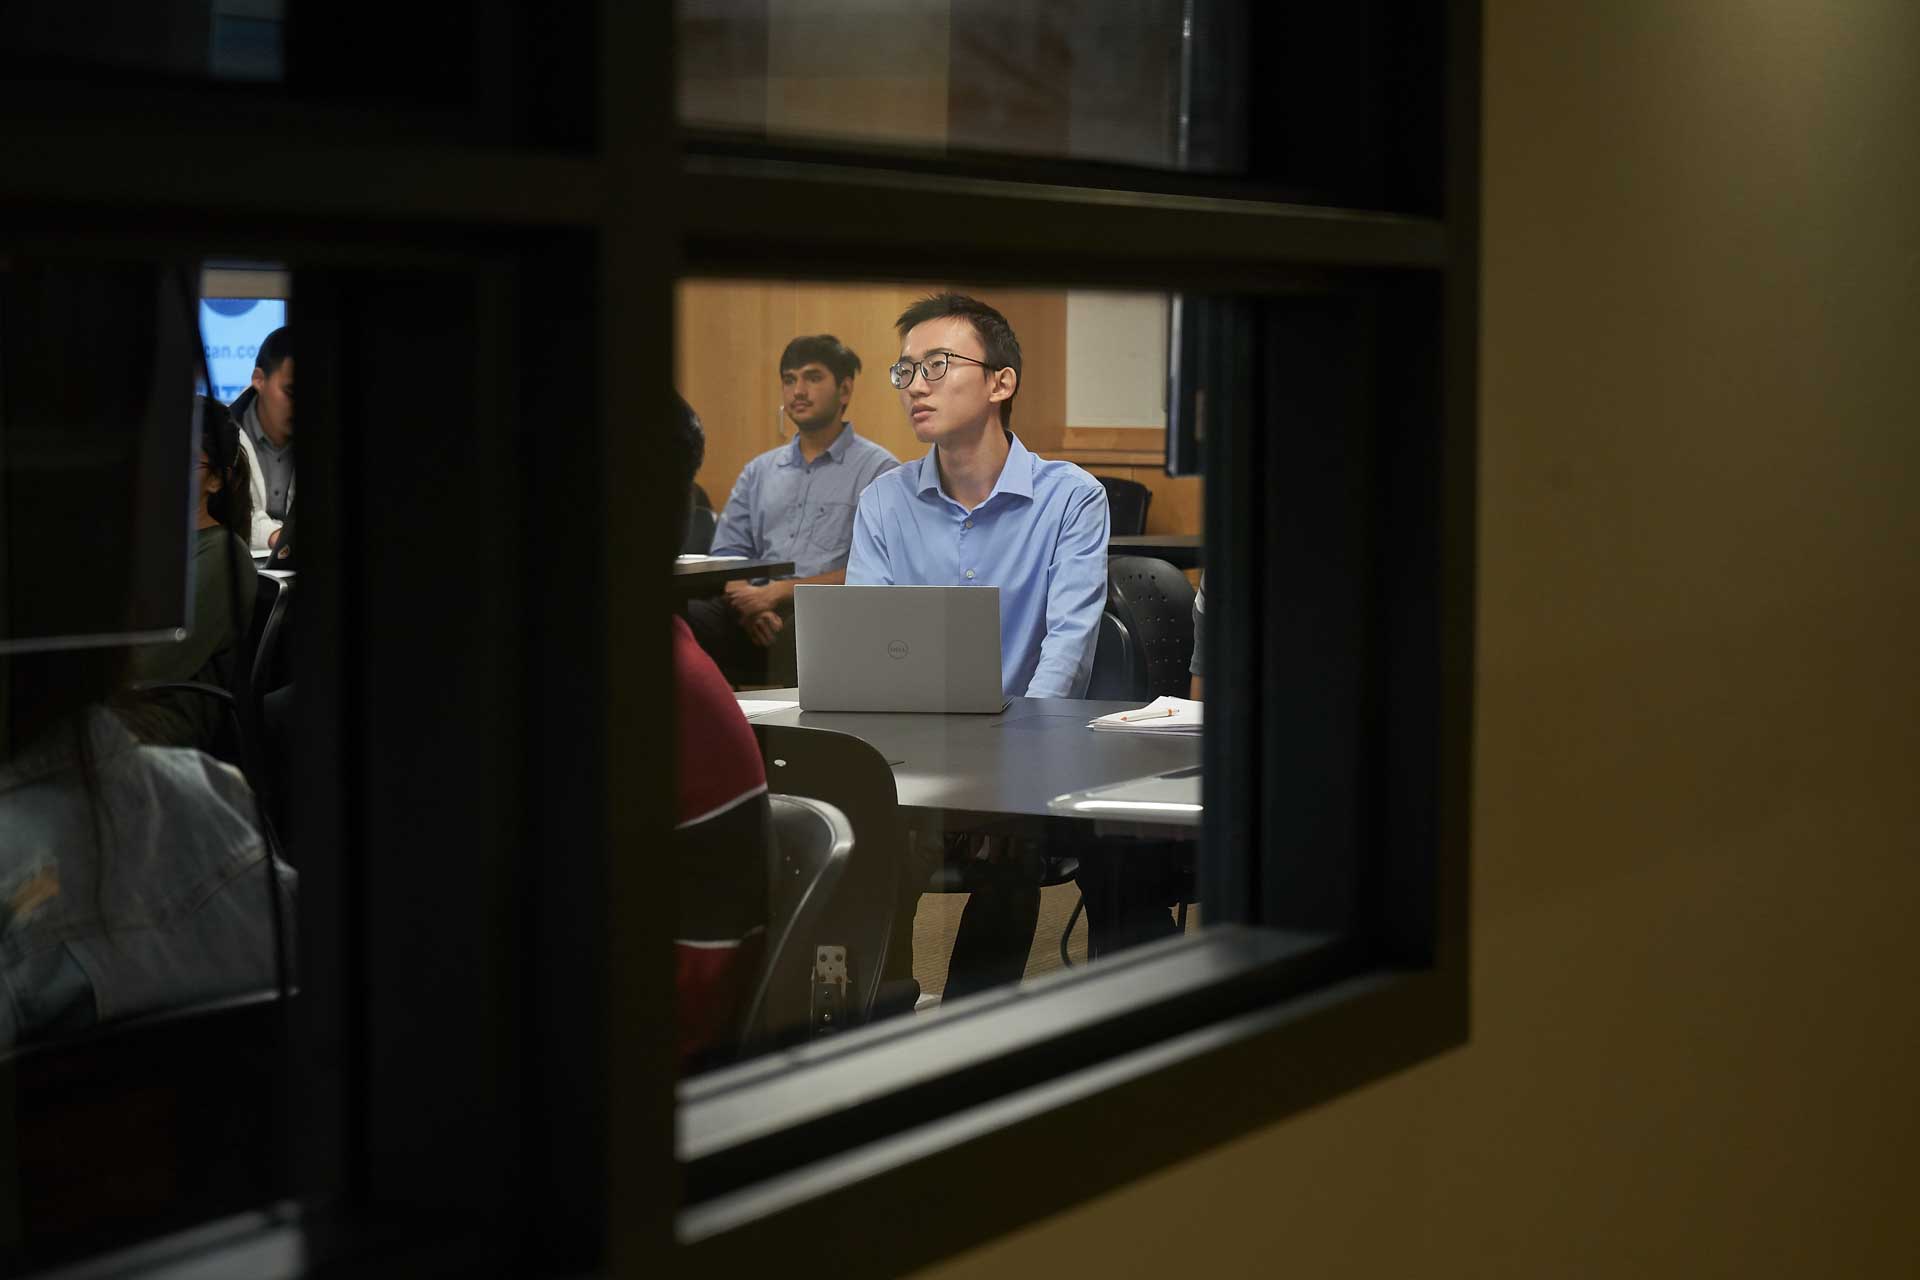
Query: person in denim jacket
{"x":131,"y":876}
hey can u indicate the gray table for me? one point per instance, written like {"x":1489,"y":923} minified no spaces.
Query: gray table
{"x":986,"y":770}
{"x":704,"y":577}
{"x":1181,"y":550}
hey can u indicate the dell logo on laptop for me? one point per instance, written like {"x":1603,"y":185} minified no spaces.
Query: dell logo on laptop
{"x":896,"y":649}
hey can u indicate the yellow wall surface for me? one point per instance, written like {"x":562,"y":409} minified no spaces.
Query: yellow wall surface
{"x":1696,"y":882}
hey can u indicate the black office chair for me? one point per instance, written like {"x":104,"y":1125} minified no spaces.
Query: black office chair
{"x":1155,"y":602}
{"x":700,"y":498}
{"x":238,"y":740}
{"x":701,"y":524}
{"x":266,"y":651}
{"x":1114,"y":678}
{"x":854,"y":778}
{"x":1127,"y":503}
{"x":270,"y":689}
{"x":1179,"y":875}
{"x":812,"y":845}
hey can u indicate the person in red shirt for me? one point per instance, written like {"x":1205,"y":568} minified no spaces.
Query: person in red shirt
{"x":723,"y":825}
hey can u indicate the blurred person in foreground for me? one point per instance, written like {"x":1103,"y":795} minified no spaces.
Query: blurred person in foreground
{"x":723,"y":822}
{"x":132,"y":877}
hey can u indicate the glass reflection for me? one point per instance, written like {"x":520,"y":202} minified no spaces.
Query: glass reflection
{"x":1105,"y":80}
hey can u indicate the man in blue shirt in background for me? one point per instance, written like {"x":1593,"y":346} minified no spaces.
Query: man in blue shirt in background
{"x":793,"y":503}
{"x":980,"y":510}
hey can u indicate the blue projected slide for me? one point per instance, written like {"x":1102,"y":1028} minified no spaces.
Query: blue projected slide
{"x":233,"y":329}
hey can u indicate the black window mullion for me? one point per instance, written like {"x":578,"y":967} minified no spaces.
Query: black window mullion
{"x":764,"y":217}
{"x":140,"y":171}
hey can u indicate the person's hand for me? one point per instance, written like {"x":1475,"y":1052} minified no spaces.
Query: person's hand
{"x":273,"y":539}
{"x":763,"y":628}
{"x":749,"y":601}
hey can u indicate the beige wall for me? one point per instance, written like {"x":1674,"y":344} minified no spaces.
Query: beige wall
{"x":1697,"y":838}
{"x":1117,"y":360}
{"x":730,"y":334}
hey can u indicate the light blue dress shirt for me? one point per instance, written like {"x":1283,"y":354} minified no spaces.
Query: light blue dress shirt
{"x":1041,"y":537}
{"x":784,"y":508}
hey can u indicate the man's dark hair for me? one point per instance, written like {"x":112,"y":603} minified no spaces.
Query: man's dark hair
{"x":996,"y":335}
{"x":686,"y":450}
{"x":826,"y":349}
{"x":274,"y":350}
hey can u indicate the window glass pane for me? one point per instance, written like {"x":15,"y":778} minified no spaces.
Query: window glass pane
{"x":924,"y":615}
{"x":1106,"y":80}
{"x":499,"y":73}
{"x":147,"y":916}
{"x":241,"y":40}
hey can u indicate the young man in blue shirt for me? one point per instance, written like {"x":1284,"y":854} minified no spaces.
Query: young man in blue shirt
{"x":980,"y":510}
{"x":792,"y":503}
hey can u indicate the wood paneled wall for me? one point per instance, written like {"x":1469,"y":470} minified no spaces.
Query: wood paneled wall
{"x":731,"y":333}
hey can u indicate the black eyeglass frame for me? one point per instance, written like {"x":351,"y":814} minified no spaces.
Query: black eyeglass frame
{"x":919,"y":368}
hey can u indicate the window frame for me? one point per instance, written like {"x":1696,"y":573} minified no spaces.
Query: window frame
{"x":1401,"y":996}
{"x":1267,"y":1037}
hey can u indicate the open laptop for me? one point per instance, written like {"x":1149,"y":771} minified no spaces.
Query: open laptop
{"x":898,"y":648}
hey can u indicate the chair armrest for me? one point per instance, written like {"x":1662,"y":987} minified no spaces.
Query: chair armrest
{"x":185,"y":686}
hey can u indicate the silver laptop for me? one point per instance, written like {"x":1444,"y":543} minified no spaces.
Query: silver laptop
{"x":898,"y":648}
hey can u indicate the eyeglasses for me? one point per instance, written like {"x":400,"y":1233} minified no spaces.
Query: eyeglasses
{"x":935,"y":367}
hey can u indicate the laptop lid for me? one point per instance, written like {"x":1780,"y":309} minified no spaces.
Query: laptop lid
{"x":898,"y":648}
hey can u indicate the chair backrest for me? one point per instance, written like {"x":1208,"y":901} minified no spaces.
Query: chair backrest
{"x":266,"y":597}
{"x":272,"y":622}
{"x":1114,"y":675}
{"x":1127,"y":502}
{"x":812,"y":845}
{"x":849,"y":774}
{"x":701,"y":523}
{"x":1155,"y":601}
{"x":700,"y":498}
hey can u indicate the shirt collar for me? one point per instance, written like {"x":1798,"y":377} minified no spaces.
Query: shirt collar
{"x":250,"y":423}
{"x":790,"y":456}
{"x":1016,"y":477}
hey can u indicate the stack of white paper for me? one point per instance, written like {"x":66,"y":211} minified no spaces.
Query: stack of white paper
{"x":1162,"y":715}
{"x":751,"y":707}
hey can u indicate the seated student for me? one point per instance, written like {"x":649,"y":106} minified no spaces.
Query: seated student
{"x":264,"y":412}
{"x":222,"y":582}
{"x":130,"y":875}
{"x":722,"y":822}
{"x":792,"y":503}
{"x":980,"y":509}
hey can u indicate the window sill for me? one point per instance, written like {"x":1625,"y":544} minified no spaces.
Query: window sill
{"x":855,"y":1138}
